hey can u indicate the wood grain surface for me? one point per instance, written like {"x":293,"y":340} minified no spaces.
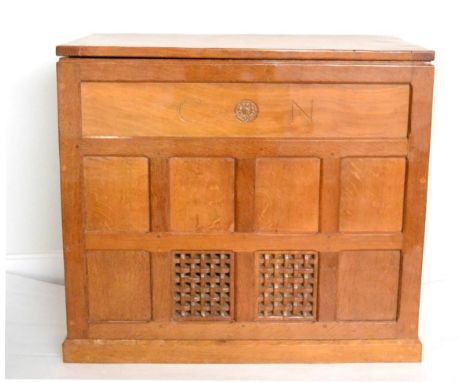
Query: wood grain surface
{"x":368,"y":285}
{"x":201,"y":194}
{"x":119,"y":286}
{"x":158,"y":158}
{"x":209,"y":110}
{"x":116,"y":194}
{"x":316,"y":47}
{"x":141,"y":351}
{"x":287,"y":194}
{"x":372,"y":194}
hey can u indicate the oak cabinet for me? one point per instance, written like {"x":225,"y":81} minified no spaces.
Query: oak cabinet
{"x":249,"y":199}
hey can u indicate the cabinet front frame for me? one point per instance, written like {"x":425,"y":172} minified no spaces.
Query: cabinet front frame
{"x":73,"y":148}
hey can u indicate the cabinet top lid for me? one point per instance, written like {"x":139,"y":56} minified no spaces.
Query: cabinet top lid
{"x":269,"y":47}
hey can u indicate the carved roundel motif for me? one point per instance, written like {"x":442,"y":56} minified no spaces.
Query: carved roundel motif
{"x":246,"y":110}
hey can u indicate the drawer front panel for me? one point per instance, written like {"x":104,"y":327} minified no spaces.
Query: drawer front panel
{"x":245,"y":110}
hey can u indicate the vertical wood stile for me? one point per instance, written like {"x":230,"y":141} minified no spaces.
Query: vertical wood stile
{"x":159,"y":189}
{"x":71,"y":180}
{"x":330,"y":195}
{"x":245,"y":286}
{"x":327,"y":291}
{"x":162,"y":286}
{"x":415,"y":201}
{"x":245,"y":194}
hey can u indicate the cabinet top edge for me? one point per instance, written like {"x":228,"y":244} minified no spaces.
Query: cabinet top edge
{"x":261,"y":47}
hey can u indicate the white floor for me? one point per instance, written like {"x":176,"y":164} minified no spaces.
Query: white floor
{"x":35,"y":329}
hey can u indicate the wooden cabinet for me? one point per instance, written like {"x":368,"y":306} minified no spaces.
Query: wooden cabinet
{"x":254,"y":199}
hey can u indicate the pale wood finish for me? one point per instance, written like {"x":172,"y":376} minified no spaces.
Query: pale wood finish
{"x":116,"y":194}
{"x":372,"y":194}
{"x":311,"y":47}
{"x":369,"y":263}
{"x":208,"y":110}
{"x":368,"y":285}
{"x":119,"y":286}
{"x":196,"y":183}
{"x":287,"y":194}
{"x":98,"y":351}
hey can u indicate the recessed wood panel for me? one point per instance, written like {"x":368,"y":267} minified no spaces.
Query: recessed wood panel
{"x":287,"y":194}
{"x":372,"y":194}
{"x":201,"y":194}
{"x":368,"y":285}
{"x":245,"y":110}
{"x":116,"y":194}
{"x":119,"y":286}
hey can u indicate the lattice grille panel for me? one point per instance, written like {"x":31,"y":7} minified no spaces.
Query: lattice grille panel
{"x":287,"y":284}
{"x":203,"y":285}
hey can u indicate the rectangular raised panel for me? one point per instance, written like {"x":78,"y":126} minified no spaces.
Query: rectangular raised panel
{"x":245,"y":110}
{"x":287,"y":194}
{"x":372,"y":194}
{"x":119,"y":286}
{"x":203,"y":285}
{"x":287,"y":284}
{"x":368,"y":285}
{"x":116,"y":194}
{"x":201,"y":194}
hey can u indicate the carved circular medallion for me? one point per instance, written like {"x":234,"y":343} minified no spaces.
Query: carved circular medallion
{"x":246,"y":110}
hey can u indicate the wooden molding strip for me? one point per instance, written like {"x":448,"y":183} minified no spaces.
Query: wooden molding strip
{"x":243,"y":330}
{"x":246,"y":242}
{"x":292,"y":351}
{"x":241,"y":148}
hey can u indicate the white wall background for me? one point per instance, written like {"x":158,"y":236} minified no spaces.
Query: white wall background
{"x":31,"y":29}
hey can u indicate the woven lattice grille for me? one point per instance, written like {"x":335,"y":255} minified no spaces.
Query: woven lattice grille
{"x":203,"y":288}
{"x":287,"y":285}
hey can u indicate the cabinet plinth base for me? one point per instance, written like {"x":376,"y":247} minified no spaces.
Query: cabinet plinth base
{"x":240,"y":351}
